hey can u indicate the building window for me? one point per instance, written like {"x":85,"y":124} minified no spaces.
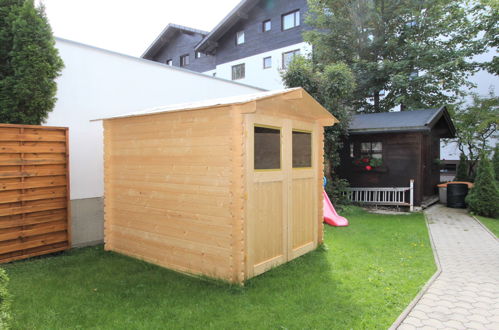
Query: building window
{"x":267,"y":62}
{"x":302,"y":149}
{"x":287,"y":57}
{"x":238,"y":72}
{"x":197,"y":54}
{"x":240,"y":38}
{"x":266,"y":25}
{"x":267,"y":148}
{"x":371,"y":150}
{"x":184,"y":60}
{"x":169,"y":62}
{"x":352,"y":153}
{"x":291,"y":20}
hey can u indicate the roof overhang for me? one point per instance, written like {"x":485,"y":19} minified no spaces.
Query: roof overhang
{"x":166,"y":35}
{"x":210,"y":42}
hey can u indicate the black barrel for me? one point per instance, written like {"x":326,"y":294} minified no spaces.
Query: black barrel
{"x":456,"y":192}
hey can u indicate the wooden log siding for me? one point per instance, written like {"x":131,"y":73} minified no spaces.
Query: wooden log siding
{"x":34,"y":191}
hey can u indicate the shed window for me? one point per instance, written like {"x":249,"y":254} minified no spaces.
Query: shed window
{"x":238,"y":72}
{"x":371,"y":149}
{"x":240,"y":38}
{"x":302,"y":149}
{"x":184,"y":60}
{"x":291,"y":20}
{"x":267,"y":148}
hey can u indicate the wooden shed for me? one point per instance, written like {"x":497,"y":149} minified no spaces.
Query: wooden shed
{"x":227,"y":188}
{"x":406,"y":146}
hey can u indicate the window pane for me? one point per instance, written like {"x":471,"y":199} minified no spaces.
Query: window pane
{"x":351,"y":150}
{"x":376,"y":146}
{"x":238,"y":71}
{"x":302,"y":149}
{"x":240,"y":38}
{"x":297,"y":18}
{"x":288,"y":21}
{"x":267,"y":148}
{"x":365,"y":147}
{"x":267,"y":62}
{"x":169,"y":62}
{"x":288,"y":57}
{"x":267,"y":25}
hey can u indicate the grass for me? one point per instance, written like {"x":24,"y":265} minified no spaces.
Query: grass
{"x":362,"y":278}
{"x":492,"y":224}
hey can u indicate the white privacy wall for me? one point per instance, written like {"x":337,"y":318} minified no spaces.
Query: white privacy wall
{"x":97,"y":83}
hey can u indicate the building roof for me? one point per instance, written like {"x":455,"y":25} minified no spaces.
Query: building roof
{"x":403,"y":121}
{"x":209,"y":43}
{"x":317,"y":111}
{"x":166,"y":35}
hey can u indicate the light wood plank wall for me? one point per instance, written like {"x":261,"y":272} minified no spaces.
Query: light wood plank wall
{"x":170,"y":190}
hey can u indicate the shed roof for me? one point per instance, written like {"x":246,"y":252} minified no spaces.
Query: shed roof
{"x":316,"y":111}
{"x":402,"y":121}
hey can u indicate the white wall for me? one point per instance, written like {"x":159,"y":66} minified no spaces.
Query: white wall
{"x":97,"y":83}
{"x":256,"y":75}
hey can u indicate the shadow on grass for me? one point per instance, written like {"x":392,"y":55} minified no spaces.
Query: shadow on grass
{"x":92,"y":288}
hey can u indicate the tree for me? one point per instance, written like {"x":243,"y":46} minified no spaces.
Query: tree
{"x":462,"y":169}
{"x":476,"y":127}
{"x":330,"y":85}
{"x":29,"y":63}
{"x":483,"y":199}
{"x":495,"y":161}
{"x":416,"y":52}
{"x":490,"y":25}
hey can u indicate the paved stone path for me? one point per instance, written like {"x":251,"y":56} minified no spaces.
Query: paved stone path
{"x":466,"y":294}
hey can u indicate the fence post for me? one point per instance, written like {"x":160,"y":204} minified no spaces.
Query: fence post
{"x":411,"y":187}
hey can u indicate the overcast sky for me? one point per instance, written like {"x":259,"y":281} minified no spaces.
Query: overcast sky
{"x":130,"y":26}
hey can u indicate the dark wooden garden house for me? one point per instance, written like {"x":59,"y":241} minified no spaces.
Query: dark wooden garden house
{"x":398,"y":147}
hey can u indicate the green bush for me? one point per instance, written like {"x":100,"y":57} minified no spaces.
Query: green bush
{"x":4,"y":301}
{"x":484,"y":197}
{"x":462,"y":169}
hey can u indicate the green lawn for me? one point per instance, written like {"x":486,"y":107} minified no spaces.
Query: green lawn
{"x":492,"y":224}
{"x":363,"y":278}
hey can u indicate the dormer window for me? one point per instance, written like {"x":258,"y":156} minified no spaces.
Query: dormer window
{"x":169,"y":62}
{"x":197,"y":54}
{"x":291,"y":20}
{"x":240,"y":38}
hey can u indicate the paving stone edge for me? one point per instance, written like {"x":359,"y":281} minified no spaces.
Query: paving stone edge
{"x":485,"y":227}
{"x":427,"y":285}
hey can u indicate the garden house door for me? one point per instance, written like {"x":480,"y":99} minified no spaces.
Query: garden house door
{"x":282,"y":191}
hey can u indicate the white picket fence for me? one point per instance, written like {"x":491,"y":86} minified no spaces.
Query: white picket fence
{"x":395,"y":196}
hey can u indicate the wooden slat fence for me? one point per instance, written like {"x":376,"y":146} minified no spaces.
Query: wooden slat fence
{"x":34,"y":191}
{"x":396,"y":196}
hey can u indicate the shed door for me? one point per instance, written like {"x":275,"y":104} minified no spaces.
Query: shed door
{"x":282,"y":188}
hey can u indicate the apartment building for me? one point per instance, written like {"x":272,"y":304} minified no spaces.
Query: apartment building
{"x":251,"y":45}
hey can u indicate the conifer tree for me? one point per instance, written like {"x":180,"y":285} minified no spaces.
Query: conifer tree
{"x":462,"y":169}
{"x":495,"y":161}
{"x":483,"y":199}
{"x":29,"y":63}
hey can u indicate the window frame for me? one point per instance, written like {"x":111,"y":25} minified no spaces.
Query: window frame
{"x":239,"y":33}
{"x":370,"y":151}
{"x":296,"y":22}
{"x":243,"y":65}
{"x":267,"y":67}
{"x":269,"y":21}
{"x":284,"y":65}
{"x":197,"y":55}
{"x":184,"y":63}
{"x":311,"y":149}
{"x":277,"y":128}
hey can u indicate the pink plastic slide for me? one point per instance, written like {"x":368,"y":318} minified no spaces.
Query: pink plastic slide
{"x":330,"y":216}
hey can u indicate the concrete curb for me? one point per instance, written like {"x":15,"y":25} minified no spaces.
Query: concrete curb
{"x":425,"y":288}
{"x":484,"y":227}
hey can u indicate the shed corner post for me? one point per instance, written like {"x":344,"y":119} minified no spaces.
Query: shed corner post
{"x":411,"y":187}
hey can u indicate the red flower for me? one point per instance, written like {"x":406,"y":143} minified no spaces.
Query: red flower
{"x":365,"y":160}
{"x":369,"y":167}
